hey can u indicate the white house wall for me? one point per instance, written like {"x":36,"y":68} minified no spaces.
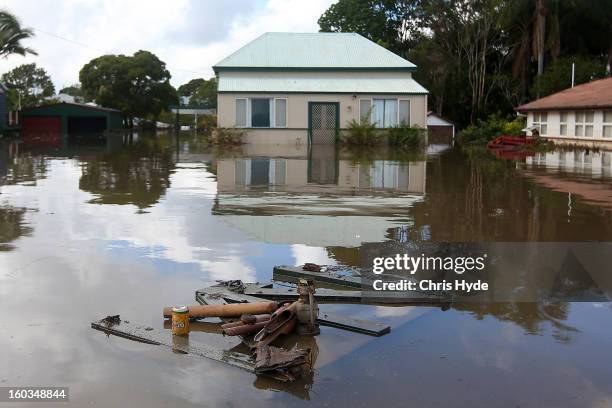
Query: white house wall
{"x":297,"y":107}
{"x":554,"y":125}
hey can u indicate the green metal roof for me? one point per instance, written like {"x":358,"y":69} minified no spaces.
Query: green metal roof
{"x":313,"y":51}
{"x":249,"y":82}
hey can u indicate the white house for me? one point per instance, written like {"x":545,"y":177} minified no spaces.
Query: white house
{"x":301,"y":87}
{"x":578,"y":114}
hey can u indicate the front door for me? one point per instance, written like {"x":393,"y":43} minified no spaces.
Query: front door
{"x":323,"y":122}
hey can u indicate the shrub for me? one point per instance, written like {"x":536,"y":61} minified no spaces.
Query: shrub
{"x":228,"y":136}
{"x":404,"y":135}
{"x":207,"y":122}
{"x":361,"y":133}
{"x":495,"y":125}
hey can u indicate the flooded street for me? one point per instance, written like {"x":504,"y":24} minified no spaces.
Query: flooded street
{"x":130,"y":224}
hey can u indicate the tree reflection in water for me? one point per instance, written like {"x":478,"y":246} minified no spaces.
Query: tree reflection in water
{"x":12,"y":226}
{"x":137,"y":174}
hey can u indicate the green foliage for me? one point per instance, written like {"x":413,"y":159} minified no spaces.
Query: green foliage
{"x":29,"y":85}
{"x":73,"y":90}
{"x":390,"y":23}
{"x":228,"y":136}
{"x":206,"y":94}
{"x":495,"y":125}
{"x":11,"y":36}
{"x":406,"y":136}
{"x":138,"y":85}
{"x":479,"y":57}
{"x":201,"y":92}
{"x":207,"y":122}
{"x":367,"y":134}
{"x":558,"y":75}
{"x":361,"y":133}
{"x":190,"y":87}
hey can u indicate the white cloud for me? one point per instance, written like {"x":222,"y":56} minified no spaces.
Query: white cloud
{"x":189,"y":35}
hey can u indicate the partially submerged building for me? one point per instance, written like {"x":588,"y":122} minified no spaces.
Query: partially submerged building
{"x":69,"y":118}
{"x":440,"y":130}
{"x":581,"y":113}
{"x":307,"y":87}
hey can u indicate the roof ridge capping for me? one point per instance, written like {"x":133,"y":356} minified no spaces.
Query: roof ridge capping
{"x":316,"y":50}
{"x":594,"y":94}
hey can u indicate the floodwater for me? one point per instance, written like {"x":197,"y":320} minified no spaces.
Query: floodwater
{"x":129,"y":224}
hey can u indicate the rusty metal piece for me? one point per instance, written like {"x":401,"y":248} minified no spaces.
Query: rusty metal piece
{"x":244,"y":328}
{"x":307,"y":310}
{"x":227,"y":310}
{"x":248,"y":319}
{"x":282,"y":321}
{"x":270,"y":358}
{"x":258,"y":319}
{"x":312,"y":267}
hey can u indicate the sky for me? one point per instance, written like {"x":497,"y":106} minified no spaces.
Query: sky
{"x":188,"y":35}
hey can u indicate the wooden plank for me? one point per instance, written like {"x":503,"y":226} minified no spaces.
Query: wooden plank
{"x":327,"y":277}
{"x":150,"y":335}
{"x":321,"y":295}
{"x":355,"y":325}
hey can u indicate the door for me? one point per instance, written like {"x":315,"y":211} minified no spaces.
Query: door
{"x":41,"y":124}
{"x":323,"y":122}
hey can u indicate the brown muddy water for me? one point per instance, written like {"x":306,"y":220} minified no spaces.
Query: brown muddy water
{"x":127,"y":225}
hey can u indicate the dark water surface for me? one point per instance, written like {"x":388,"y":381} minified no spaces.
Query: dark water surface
{"x":127,"y":225}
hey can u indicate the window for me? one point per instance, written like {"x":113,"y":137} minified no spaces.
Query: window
{"x":384,"y":112}
{"x":540,"y":120}
{"x":365,"y":113}
{"x":241,"y":112}
{"x":261,"y":112}
{"x":584,"y":124}
{"x":563,"y":123}
{"x":607,"y":124}
{"x":280,"y":112}
{"x":404,"y":112}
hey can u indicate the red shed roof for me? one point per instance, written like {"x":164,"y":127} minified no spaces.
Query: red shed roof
{"x":593,"y":95}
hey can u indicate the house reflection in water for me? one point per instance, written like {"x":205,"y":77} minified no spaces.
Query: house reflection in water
{"x":317,"y":198}
{"x":581,"y":172}
{"x":321,"y":172}
{"x":585,"y":162}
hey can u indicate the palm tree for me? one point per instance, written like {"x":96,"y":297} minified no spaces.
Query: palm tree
{"x":11,"y":35}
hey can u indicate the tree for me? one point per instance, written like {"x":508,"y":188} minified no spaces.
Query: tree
{"x":12,"y":34}
{"x":205,"y":95}
{"x":138,"y":85}
{"x":190,"y":87}
{"x":557,"y":75}
{"x":479,"y":57}
{"x":29,"y":85}
{"x":72,"y":90}
{"x":394,"y":24}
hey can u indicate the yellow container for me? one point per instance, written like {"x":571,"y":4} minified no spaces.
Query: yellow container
{"x":180,"y":320}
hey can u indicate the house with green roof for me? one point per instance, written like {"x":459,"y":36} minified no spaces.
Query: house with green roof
{"x":307,"y":87}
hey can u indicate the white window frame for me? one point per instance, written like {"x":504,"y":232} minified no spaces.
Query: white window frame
{"x":246,"y":110}
{"x":286,"y":113}
{"x":397,"y":101}
{"x":537,"y":121}
{"x":562,"y":123}
{"x":583,"y":124}
{"x":409,"y":110}
{"x":359,"y":109}
{"x":272,"y":102}
{"x":605,"y":124}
